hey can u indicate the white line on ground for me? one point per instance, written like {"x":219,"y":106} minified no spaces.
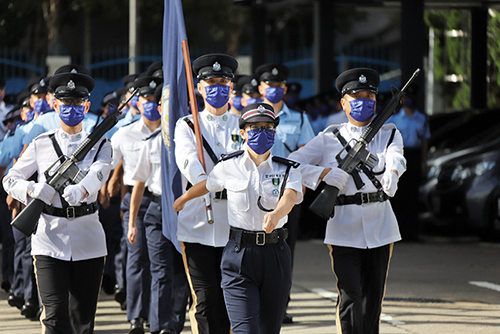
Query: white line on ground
{"x":486,"y":285}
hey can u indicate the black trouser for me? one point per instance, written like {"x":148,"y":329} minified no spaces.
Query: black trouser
{"x":208,"y":311}
{"x":361,"y":277}
{"x":68,"y":291}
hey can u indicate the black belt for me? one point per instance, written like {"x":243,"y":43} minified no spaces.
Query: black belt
{"x":220,"y":195}
{"x":259,"y":238}
{"x":155,"y":198}
{"x":147,"y":193}
{"x":362,"y":198}
{"x":71,"y":211}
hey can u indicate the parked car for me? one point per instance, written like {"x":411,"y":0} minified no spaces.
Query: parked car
{"x":462,"y":186}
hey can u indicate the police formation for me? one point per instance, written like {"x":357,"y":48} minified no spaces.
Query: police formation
{"x":103,"y":228}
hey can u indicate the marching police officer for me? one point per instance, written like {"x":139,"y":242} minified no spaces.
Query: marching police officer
{"x":362,"y":232}
{"x":249,"y":90}
{"x":235,"y":96}
{"x":202,"y":243}
{"x":69,"y":244}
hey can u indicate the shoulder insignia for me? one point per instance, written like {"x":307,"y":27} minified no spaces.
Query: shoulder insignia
{"x":154,"y":134}
{"x":231,"y":155}
{"x":135,"y":120}
{"x":286,"y":162}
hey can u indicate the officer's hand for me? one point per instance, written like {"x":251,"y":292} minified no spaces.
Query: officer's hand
{"x":270,"y":222}
{"x":390,"y":183}
{"x":11,"y":202}
{"x":73,"y":194}
{"x":41,"y":191}
{"x":179,"y":204}
{"x":132,"y":234}
{"x":337,"y":178}
{"x":113,"y":188}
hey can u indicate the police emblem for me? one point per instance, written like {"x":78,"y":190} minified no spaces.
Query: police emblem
{"x":216,"y":67}
{"x":362,"y":79}
{"x":71,"y":85}
{"x":261,"y":109}
{"x":152,"y":84}
{"x":100,"y":176}
{"x":9,"y":183}
{"x":275,"y":71}
{"x":209,"y":117}
{"x":74,"y":71}
{"x":254,"y":82}
{"x":275,"y":192}
{"x":224,"y":118}
{"x":42,"y":83}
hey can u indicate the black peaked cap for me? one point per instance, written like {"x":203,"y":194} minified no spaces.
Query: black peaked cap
{"x":215,"y":65}
{"x":356,"y":80}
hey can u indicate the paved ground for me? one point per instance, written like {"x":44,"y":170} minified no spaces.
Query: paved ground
{"x":407,"y":308}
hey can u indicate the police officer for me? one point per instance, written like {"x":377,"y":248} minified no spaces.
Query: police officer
{"x":249,"y":90}
{"x":262,"y":189}
{"x":294,"y":131}
{"x":169,"y":287}
{"x":127,"y":142}
{"x":202,"y":243}
{"x":235,"y":96}
{"x":4,"y":107}
{"x":362,"y":232}
{"x":68,"y":252}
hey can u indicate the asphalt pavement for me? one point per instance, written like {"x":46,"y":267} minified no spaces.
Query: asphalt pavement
{"x":438,"y":286}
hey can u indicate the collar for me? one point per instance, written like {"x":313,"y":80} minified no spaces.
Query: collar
{"x":71,"y":137}
{"x":284,"y":110}
{"x":211,"y":117}
{"x":246,"y":159}
{"x":355,"y":129}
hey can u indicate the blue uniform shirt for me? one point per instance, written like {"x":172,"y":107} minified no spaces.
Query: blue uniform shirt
{"x":293,"y":131}
{"x":45,"y":122}
{"x":414,"y":129}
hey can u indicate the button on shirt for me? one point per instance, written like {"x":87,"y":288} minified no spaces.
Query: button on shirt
{"x":127,"y":143}
{"x":414,"y":129}
{"x":293,"y":131}
{"x":357,"y":226}
{"x":222,"y":134}
{"x":61,"y":238}
{"x":245,"y":182}
{"x":148,"y":169}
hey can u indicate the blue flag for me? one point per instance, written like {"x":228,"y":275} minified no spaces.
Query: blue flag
{"x":174,"y":103}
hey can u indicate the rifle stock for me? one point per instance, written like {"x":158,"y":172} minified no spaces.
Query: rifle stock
{"x":27,"y":220}
{"x":324,"y":204}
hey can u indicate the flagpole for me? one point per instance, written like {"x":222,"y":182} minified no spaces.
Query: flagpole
{"x":194,"y":111}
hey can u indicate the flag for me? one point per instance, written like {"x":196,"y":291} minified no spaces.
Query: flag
{"x":174,"y":103}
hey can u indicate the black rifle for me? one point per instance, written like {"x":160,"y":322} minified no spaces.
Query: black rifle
{"x":358,"y":155}
{"x":66,"y":174}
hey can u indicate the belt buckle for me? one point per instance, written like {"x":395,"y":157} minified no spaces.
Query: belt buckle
{"x":70,"y":212}
{"x":365,"y":199}
{"x":260,"y":238}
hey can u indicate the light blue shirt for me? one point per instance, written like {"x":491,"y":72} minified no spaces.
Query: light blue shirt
{"x":293,"y":131}
{"x":46,"y":122}
{"x":414,"y":129}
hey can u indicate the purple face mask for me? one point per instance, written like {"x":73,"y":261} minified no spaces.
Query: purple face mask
{"x":275,"y":94}
{"x":261,"y":141}
{"x":253,"y":100}
{"x":217,"y":95}
{"x":71,"y":115}
{"x":362,"y":109}
{"x":41,"y":106}
{"x":237,"y":103}
{"x":151,"y":111}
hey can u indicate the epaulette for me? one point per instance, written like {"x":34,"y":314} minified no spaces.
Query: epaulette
{"x":286,"y":162}
{"x":231,"y":155}
{"x":12,"y":132}
{"x":131,"y":122}
{"x":154,"y":134}
{"x":45,"y":134}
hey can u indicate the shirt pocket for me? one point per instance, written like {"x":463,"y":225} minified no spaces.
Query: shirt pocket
{"x":131,"y":150}
{"x":155,"y":158}
{"x":289,"y":135}
{"x":237,"y":195}
{"x":270,"y":192}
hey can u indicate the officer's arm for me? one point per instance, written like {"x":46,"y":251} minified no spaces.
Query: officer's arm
{"x":115,"y":180}
{"x":135,"y":204}
{"x":284,"y":207}
{"x":195,"y":191}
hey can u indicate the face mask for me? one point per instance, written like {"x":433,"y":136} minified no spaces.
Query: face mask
{"x":362,"y":109}
{"x":133,"y":101}
{"x":41,"y":106}
{"x":71,"y":115}
{"x":253,"y":100}
{"x":275,"y":94}
{"x":409,"y":102}
{"x":237,"y":103}
{"x":260,"y":141}
{"x":30,"y":115}
{"x":217,"y":95}
{"x":151,"y":111}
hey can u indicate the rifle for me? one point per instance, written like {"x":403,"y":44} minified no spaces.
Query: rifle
{"x":67,"y":173}
{"x":358,"y":155}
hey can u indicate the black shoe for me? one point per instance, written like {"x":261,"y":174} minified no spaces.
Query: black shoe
{"x":136,"y":326}
{"x":6,"y":286}
{"x":123,"y":306}
{"x":29,"y":310}
{"x":120,"y":295}
{"x":15,"y":301}
{"x":108,"y":284}
{"x":287,"y":319}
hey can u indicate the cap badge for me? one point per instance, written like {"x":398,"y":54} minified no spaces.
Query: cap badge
{"x":42,"y":83}
{"x":152,"y":84}
{"x":261,"y":109}
{"x":74,"y":71}
{"x":362,"y":79}
{"x":254,"y":83}
{"x":275,"y":71}
{"x":216,"y":67}
{"x":71,"y":85}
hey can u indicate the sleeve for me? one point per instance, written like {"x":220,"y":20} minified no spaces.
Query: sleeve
{"x":15,"y":182}
{"x":215,"y":180}
{"x":36,"y":130}
{"x":186,"y":153}
{"x":142,"y":170}
{"x":394,"y":157}
{"x":306,"y":131}
{"x":99,"y":170}
{"x":117,"y":152}
{"x":295,"y":182}
{"x":309,"y":156}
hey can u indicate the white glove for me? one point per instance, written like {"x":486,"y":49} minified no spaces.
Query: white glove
{"x":73,"y":194}
{"x":337,"y":178}
{"x":390,"y":183}
{"x":41,"y":191}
